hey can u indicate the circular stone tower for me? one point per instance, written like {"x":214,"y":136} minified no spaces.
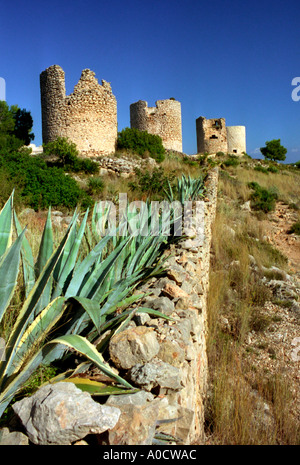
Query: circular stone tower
{"x":88,"y":116}
{"x":236,"y":139}
{"x":163,"y":120}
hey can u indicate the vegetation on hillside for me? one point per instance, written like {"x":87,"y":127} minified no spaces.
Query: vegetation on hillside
{"x":241,"y":254}
{"x":141,"y":142}
{"x":274,"y":150}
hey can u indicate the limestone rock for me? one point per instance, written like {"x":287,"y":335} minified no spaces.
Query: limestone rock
{"x":173,"y":291}
{"x":170,"y":352}
{"x":14,"y":438}
{"x":163,"y":305}
{"x":136,"y":425}
{"x":156,"y":373}
{"x":138,"y":398}
{"x":132,"y":346}
{"x":61,"y":414}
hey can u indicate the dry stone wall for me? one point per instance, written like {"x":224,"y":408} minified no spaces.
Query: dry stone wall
{"x":163,"y":120}
{"x":168,"y":359}
{"x":88,"y":116}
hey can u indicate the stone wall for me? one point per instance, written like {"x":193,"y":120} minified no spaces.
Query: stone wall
{"x":163,"y":120}
{"x":88,"y":116}
{"x":168,"y":359}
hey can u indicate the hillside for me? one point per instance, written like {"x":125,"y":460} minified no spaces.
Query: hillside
{"x":254,"y":289}
{"x":254,"y":314}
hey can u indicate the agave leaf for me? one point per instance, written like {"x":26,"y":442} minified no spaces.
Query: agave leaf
{"x":45,"y":252}
{"x":36,"y":333}
{"x":91,"y":307}
{"x":82,"y":270}
{"x":9,"y":269}
{"x":64,"y":256}
{"x":29,"y":305}
{"x":46,"y":246}
{"x":95,"y":388}
{"x":70,"y":261}
{"x":83,"y":346}
{"x":6,"y":225}
{"x":100,"y":272}
{"x":27,"y":259}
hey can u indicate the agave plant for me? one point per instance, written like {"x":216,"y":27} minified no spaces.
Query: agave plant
{"x":187,"y":189}
{"x":72,"y":299}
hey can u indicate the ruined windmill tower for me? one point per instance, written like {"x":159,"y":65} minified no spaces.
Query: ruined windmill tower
{"x":163,"y":120}
{"x":213,"y":136}
{"x":88,"y":116}
{"x":236,"y":139}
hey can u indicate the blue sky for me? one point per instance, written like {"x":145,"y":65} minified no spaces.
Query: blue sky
{"x":230,"y":59}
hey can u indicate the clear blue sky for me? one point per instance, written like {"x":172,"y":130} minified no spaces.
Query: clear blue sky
{"x":231,"y":59}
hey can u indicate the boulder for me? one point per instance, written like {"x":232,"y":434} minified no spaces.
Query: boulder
{"x":156,"y":373}
{"x":162,"y":304}
{"x":136,"y":426}
{"x":14,"y":438}
{"x":132,"y":346}
{"x":62,"y":414}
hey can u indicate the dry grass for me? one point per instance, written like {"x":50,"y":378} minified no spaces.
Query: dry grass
{"x":235,"y":411}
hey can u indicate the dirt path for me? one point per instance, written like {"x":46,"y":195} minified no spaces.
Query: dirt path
{"x":280,"y":223}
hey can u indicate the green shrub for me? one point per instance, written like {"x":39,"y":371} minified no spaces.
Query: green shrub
{"x":67,"y":153}
{"x":154,"y":182}
{"x":220,"y":154}
{"x":262,"y":199}
{"x":273,"y":169}
{"x":95,"y":185}
{"x":232,"y":160}
{"x":141,"y":142}
{"x":63,"y":148}
{"x":40,"y":186}
{"x":261,"y":169}
{"x":190,"y":162}
{"x":295,"y":228}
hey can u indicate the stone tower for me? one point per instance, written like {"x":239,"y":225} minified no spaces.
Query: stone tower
{"x":211,"y":135}
{"x":163,"y":120}
{"x":88,"y":116}
{"x":236,"y":139}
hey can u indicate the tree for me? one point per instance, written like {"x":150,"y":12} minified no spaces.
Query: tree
{"x":274,"y":150}
{"x":15,"y":127}
{"x":23,"y":126}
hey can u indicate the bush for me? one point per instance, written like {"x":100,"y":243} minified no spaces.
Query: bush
{"x":141,"y":142}
{"x":67,"y":153}
{"x":95,"y":185}
{"x":154,"y":182}
{"x":232,"y":160}
{"x":273,"y":169}
{"x":295,"y":228}
{"x":262,"y":199}
{"x":40,"y":186}
{"x":261,"y":169}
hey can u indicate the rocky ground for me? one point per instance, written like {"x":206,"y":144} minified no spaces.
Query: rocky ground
{"x":276,"y":349}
